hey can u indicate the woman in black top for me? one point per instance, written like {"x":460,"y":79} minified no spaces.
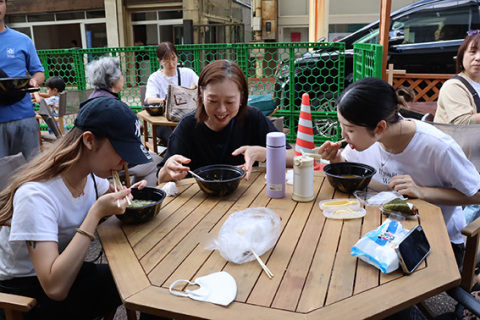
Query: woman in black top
{"x":222,"y":129}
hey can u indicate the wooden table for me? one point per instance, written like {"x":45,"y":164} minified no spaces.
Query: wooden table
{"x":154,"y":122}
{"x":315,"y":277}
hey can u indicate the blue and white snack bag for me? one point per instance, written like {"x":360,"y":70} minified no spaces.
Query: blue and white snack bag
{"x":378,"y":246}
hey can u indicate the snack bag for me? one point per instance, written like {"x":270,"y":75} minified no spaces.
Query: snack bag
{"x":378,"y":246}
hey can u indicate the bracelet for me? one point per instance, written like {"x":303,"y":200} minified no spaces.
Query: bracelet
{"x":86,"y":233}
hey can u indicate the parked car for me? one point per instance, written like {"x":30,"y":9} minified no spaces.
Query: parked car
{"x":424,"y":38}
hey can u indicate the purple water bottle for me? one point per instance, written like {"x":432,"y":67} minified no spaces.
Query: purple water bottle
{"x":276,"y":164}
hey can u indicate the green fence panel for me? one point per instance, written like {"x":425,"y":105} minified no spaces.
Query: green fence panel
{"x":367,"y":60}
{"x":284,"y":70}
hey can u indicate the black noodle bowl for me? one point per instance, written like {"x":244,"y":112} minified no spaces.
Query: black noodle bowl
{"x":219,"y":179}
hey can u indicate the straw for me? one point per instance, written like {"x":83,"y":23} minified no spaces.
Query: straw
{"x":264,"y":266}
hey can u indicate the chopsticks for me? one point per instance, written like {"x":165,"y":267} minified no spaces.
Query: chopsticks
{"x":264,"y":266}
{"x":117,"y":184}
{"x":315,"y":156}
{"x":190,"y":171}
{"x":317,"y":148}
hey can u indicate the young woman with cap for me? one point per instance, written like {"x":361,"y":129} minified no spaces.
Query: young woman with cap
{"x":410,"y":156}
{"x":52,"y":206}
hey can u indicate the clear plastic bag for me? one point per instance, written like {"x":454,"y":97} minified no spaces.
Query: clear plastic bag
{"x":252,"y":228}
{"x":376,"y":199}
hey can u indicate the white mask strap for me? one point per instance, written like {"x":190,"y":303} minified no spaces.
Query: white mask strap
{"x":179,"y":293}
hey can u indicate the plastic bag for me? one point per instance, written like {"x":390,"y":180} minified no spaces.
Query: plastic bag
{"x":376,"y":199}
{"x":378,"y":246}
{"x":252,"y":228}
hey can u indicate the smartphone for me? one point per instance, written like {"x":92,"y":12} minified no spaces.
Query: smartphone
{"x":413,"y":249}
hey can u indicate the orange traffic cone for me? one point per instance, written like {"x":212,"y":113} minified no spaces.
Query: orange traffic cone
{"x":305,"y":141}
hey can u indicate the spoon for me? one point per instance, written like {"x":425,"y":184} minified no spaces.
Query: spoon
{"x":190,"y":171}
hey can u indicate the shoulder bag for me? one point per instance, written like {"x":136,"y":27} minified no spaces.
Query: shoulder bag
{"x":179,"y":100}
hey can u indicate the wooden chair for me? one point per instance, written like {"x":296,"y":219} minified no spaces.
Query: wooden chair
{"x":47,"y":116}
{"x":466,"y":136}
{"x":14,"y":305}
{"x":45,"y":111}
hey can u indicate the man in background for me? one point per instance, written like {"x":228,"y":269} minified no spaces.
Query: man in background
{"x":18,"y":126}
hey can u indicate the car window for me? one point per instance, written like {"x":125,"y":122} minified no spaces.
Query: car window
{"x":427,"y":26}
{"x":436,"y":25}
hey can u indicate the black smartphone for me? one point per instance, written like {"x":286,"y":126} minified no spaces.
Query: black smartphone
{"x":413,"y":249}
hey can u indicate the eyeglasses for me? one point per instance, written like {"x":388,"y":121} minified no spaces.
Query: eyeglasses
{"x":472,"y":33}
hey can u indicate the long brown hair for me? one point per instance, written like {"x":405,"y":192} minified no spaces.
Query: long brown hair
{"x":218,"y":71}
{"x":58,"y":158}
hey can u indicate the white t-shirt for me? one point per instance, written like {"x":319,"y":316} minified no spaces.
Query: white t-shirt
{"x":157,"y":85}
{"x":432,"y":159}
{"x":43,"y":211}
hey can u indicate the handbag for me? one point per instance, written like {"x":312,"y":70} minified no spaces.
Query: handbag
{"x":179,"y":101}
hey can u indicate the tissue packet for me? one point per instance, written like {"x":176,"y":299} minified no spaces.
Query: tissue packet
{"x":378,"y":246}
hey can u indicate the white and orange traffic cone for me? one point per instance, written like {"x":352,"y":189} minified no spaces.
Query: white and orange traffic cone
{"x":305,"y":140}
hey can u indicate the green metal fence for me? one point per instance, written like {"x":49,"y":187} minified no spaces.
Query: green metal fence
{"x":283,"y":70}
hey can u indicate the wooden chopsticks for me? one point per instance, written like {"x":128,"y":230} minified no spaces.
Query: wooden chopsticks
{"x":264,"y":266}
{"x":117,"y":185}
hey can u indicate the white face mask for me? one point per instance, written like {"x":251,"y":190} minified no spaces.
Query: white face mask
{"x":219,"y":288}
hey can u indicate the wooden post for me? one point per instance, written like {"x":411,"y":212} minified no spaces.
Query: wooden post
{"x":318,"y":20}
{"x":385,"y":8}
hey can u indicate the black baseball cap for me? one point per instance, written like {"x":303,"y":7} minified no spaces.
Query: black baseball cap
{"x":113,"y":119}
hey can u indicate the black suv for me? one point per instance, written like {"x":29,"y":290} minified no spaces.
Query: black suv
{"x":424,"y":38}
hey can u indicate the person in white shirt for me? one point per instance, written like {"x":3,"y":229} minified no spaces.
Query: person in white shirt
{"x":50,"y":209}
{"x":169,"y":73}
{"x":411,"y":157}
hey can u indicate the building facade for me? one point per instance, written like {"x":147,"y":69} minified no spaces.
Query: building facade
{"x":118,"y":23}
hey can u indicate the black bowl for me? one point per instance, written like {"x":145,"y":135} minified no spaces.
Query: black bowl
{"x":14,"y":83}
{"x":349,"y":176}
{"x":219,"y":179}
{"x":154,"y":109}
{"x":135,"y":215}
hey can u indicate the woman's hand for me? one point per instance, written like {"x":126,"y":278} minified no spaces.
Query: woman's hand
{"x":111,"y":203}
{"x":173,"y":170}
{"x":331,"y":151}
{"x":405,"y":185}
{"x":251,"y":154}
{"x":140,"y":184}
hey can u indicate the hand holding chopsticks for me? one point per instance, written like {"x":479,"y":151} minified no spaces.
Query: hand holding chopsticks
{"x":189,"y":171}
{"x":264,"y":266}
{"x":117,"y":185}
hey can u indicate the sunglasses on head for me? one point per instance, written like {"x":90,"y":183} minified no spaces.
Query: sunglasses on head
{"x":472,"y":33}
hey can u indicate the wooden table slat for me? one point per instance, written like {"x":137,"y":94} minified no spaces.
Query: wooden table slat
{"x":290,"y":289}
{"x":127,"y":271}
